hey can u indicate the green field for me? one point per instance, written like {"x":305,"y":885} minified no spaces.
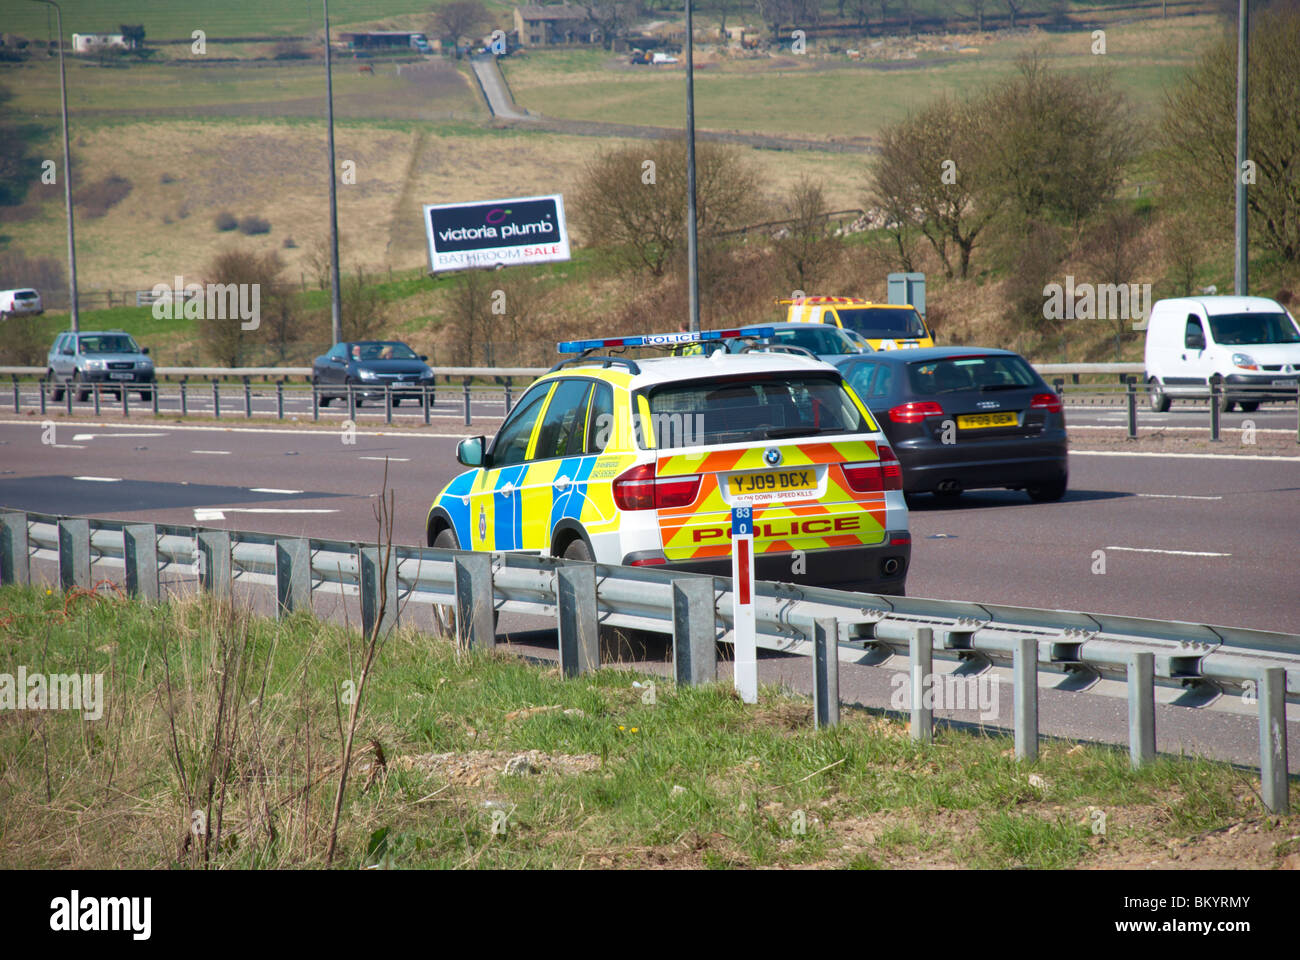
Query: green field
{"x":695,"y":779}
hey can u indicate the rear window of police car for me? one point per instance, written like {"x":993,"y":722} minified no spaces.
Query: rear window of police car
{"x":731,"y":409}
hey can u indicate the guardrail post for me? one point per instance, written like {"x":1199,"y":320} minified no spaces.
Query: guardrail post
{"x":575,"y":594}
{"x":67,"y":397}
{"x":1216,"y":395}
{"x":185,"y":404}
{"x":468,"y":416}
{"x":473,"y":577}
{"x":1059,"y":386}
{"x":16,"y":398}
{"x":94,"y":388}
{"x":1297,"y":411}
{"x":1130,"y":385}
{"x":370,"y":569}
{"x":279,"y":399}
{"x":74,"y":553}
{"x":292,"y":576}
{"x":1025,"y":668}
{"x":126,"y":409}
{"x":248,"y":399}
{"x":424,"y":402}
{"x":921,"y":653}
{"x":388,"y":403}
{"x":315,"y":403}
{"x":214,"y":565}
{"x":826,"y":672}
{"x":352,"y":404}
{"x":42,"y":385}
{"x":153,"y":396}
{"x":1272,"y":740}
{"x":695,"y":652}
{"x":1141,"y":709}
{"x":14,"y":551}
{"x":508,"y":397}
{"x":216,"y":398}
{"x":140,"y":553}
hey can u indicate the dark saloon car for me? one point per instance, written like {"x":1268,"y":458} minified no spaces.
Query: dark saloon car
{"x":961,"y":418}
{"x":368,"y":366}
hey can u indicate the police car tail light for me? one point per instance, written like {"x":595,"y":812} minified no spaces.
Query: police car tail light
{"x":915,"y":412}
{"x":1046,"y":401}
{"x":877,"y":475}
{"x":638,"y":489}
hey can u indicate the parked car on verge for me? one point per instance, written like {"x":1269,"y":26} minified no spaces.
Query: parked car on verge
{"x":639,"y":462}
{"x":23,"y":302}
{"x":368,"y":366}
{"x":110,"y":357}
{"x":960,"y":418}
{"x":1250,"y":342}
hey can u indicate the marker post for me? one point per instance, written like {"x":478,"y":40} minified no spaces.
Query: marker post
{"x":742,"y":595}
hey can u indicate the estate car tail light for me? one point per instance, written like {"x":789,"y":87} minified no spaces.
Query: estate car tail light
{"x":915,"y":412}
{"x":637,"y":489}
{"x":1046,"y":401}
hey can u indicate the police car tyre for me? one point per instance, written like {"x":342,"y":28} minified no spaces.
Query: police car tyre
{"x":1047,"y":492}
{"x":578,"y":550}
{"x":1158,"y":399}
{"x":446,"y":539}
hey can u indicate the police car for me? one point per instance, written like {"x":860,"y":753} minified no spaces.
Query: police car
{"x":639,"y":462}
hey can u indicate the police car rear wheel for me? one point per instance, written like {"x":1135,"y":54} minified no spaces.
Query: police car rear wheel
{"x":578,"y":550}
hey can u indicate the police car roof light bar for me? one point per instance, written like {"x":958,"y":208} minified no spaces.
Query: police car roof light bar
{"x":663,"y":339}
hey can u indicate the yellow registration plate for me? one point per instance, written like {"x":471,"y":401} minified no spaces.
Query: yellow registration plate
{"x":772,"y":483}
{"x":975,"y":421}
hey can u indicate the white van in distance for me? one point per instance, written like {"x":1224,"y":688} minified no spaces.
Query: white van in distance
{"x":1248,"y":341}
{"x":23,"y":302}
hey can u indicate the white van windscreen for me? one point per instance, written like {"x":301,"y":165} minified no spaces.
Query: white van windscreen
{"x":1235,"y":329}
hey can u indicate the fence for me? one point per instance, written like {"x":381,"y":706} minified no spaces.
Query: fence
{"x":828,"y":625}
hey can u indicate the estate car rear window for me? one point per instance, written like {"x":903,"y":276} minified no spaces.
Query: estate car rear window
{"x":952,"y":374}
{"x":727,"y":410}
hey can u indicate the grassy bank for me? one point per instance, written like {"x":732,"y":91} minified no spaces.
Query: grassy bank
{"x":208,"y":709}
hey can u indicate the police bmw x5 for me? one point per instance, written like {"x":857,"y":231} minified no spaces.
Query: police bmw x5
{"x":639,"y":461}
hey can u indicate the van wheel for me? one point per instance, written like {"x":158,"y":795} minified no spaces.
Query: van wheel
{"x":1157,"y":397}
{"x":1249,"y":406}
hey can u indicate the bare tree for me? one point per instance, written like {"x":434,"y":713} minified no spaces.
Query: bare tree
{"x":807,"y":248}
{"x":977,"y":7}
{"x":634,"y":198}
{"x":1013,"y":8}
{"x":460,"y":18}
{"x":1115,"y":250}
{"x":224,"y":338}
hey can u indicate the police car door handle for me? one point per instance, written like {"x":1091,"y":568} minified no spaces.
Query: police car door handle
{"x":508,"y":489}
{"x":562,"y":482}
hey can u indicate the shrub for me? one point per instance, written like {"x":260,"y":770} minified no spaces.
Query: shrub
{"x":289,"y":243}
{"x":225,"y":221}
{"x":251,"y":225}
{"x":98,"y":197}
{"x":289,"y":50}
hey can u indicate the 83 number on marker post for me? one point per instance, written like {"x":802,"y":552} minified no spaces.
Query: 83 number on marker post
{"x":742,"y":594}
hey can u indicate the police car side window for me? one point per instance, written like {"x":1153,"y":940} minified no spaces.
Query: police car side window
{"x":511,"y":444}
{"x":602,"y":419}
{"x":561,"y":432}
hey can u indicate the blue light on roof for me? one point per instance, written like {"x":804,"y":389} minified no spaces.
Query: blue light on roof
{"x":662,"y":339}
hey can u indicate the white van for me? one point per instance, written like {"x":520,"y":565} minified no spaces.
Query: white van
{"x":1248,"y":341}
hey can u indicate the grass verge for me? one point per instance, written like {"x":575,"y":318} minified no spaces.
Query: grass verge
{"x":208,"y":709}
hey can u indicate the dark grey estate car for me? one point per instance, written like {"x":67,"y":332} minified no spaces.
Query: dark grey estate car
{"x":368,"y":366}
{"x":960,"y":418}
{"x":108,"y":357}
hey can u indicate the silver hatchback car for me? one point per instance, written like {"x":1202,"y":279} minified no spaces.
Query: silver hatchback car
{"x":110,"y":357}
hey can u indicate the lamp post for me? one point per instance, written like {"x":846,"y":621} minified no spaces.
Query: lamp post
{"x":336,"y":297}
{"x":67,"y":175}
{"x":692,"y":240}
{"x":1242,"y":272}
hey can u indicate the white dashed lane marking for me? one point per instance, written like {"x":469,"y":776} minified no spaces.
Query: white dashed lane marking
{"x":1175,"y":553}
{"x":100,"y":479}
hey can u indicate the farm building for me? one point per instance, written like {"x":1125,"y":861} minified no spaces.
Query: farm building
{"x":94,"y":42}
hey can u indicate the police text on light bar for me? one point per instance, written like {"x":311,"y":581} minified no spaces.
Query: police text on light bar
{"x":663,"y":339}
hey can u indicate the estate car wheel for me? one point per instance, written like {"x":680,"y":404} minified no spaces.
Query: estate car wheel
{"x":56,"y":391}
{"x":1157,"y":397}
{"x":1047,"y":492}
{"x":82,"y":392}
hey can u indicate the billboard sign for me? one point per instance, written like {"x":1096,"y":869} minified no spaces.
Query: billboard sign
{"x":507,"y":232}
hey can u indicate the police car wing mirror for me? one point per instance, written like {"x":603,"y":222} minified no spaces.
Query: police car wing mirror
{"x":470,"y":452}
